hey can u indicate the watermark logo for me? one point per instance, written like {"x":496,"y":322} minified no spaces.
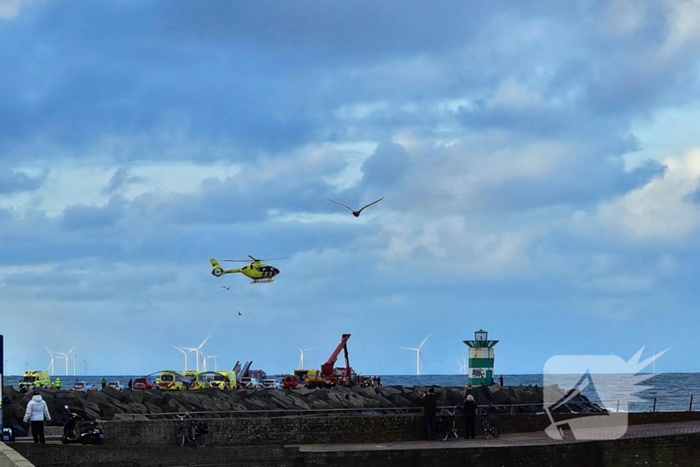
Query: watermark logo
{"x":607,"y":380}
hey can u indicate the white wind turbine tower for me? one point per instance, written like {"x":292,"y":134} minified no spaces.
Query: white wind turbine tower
{"x":50,"y":367}
{"x":85,"y":365}
{"x":185,"y":353}
{"x":207,"y":358}
{"x":462,"y":367}
{"x":417,"y":349}
{"x":196,"y":350}
{"x":301,"y":357}
{"x":204,"y":361}
{"x":66,"y":356}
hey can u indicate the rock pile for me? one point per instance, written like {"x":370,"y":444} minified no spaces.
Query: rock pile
{"x":108,"y":404}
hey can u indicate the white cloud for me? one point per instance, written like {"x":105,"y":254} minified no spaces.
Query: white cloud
{"x":512,"y":94}
{"x":11,"y":8}
{"x":660,"y":210}
{"x":683,"y":20}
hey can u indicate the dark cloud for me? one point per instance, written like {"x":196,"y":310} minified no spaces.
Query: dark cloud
{"x":265,"y":78}
{"x":385,"y":166}
{"x":121,"y":178}
{"x":93,"y":217}
{"x":580,"y":183}
{"x":15,"y":181}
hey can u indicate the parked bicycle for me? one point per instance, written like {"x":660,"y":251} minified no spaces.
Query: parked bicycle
{"x":191,"y":430}
{"x":447,"y":424}
{"x":488,"y":424}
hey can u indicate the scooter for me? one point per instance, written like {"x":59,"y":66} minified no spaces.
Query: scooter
{"x":92,"y":433}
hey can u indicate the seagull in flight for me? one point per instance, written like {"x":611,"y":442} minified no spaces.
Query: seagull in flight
{"x":356,"y":213}
{"x":227,"y":288}
{"x":240,"y":314}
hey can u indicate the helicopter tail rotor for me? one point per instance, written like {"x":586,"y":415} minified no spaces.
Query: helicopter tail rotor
{"x":217,"y":270}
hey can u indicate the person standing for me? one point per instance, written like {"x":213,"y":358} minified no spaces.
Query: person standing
{"x":131,"y":384}
{"x":104,"y":383}
{"x":500,"y":380}
{"x":429,"y":413}
{"x":469,"y":410}
{"x":36,"y":413}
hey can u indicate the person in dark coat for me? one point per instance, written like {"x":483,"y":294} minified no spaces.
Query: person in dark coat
{"x":469,"y":410}
{"x":104,"y":383}
{"x":429,"y":413}
{"x":131,"y":383}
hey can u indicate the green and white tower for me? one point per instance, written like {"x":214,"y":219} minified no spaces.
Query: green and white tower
{"x":481,"y":359}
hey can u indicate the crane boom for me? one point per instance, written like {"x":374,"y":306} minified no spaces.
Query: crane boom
{"x":327,"y":368}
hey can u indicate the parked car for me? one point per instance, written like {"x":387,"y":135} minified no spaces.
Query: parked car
{"x":144,"y":383}
{"x":118,"y":385}
{"x":273,"y":383}
{"x":83,"y":386}
{"x":250,"y":383}
{"x":292,"y":382}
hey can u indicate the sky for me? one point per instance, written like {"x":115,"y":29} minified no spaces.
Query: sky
{"x":539,"y":163}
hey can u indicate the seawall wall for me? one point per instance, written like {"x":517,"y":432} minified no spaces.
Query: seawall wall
{"x":280,"y":442}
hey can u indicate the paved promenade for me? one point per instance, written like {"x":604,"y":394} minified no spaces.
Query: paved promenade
{"x":9,"y":458}
{"x":538,"y":438}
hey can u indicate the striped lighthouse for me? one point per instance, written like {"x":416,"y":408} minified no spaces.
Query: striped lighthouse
{"x":481,"y":359}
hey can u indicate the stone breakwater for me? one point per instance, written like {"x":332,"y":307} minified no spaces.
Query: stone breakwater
{"x":109,"y":404}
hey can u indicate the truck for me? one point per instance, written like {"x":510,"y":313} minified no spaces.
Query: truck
{"x":34,"y":379}
{"x":330,"y":375}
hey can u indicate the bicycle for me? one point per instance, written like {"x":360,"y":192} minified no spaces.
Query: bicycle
{"x":447,"y":424}
{"x":195,"y":432}
{"x":489,"y":425}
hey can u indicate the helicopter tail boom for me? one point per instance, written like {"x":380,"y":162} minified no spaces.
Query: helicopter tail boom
{"x":218,"y":271}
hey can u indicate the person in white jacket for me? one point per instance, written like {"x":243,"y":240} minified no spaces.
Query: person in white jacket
{"x":37,"y":412}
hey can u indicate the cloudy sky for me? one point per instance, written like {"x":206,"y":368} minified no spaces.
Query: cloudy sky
{"x":540,"y":165}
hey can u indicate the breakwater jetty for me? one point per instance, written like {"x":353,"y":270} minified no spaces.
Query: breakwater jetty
{"x":110,"y":404}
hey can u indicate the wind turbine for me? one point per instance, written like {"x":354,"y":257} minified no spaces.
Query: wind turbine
{"x":196,"y":350}
{"x":66,"y":356}
{"x":418,"y":355}
{"x":301,"y":357}
{"x":185,"y":353}
{"x":85,"y":365}
{"x":50,"y":367}
{"x":207,"y":358}
{"x":462,"y":366}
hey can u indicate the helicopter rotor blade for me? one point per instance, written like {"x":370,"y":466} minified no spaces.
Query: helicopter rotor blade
{"x":253,"y":259}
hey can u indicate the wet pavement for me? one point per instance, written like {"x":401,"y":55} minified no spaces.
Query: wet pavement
{"x":539,"y":438}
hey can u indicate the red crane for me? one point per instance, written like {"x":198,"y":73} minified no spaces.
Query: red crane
{"x":338,"y":375}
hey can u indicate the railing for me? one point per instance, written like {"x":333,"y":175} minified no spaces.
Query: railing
{"x":683,"y":403}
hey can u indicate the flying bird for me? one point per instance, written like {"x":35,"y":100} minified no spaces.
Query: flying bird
{"x":356,"y":213}
{"x":227,"y":288}
{"x":240,"y":314}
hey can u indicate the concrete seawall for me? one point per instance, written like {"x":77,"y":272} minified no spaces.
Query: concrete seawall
{"x":656,"y":438}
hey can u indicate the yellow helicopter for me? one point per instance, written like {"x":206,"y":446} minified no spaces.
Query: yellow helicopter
{"x":256,"y":270}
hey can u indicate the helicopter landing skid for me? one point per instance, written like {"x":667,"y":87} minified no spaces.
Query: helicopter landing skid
{"x":262,"y":281}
